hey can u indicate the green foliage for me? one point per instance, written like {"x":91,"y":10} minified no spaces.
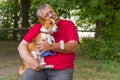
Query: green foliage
{"x":12,"y":11}
{"x":101,"y":49}
{"x":87,"y":12}
{"x":105,"y":14}
{"x":8,"y":9}
{"x":5,"y":35}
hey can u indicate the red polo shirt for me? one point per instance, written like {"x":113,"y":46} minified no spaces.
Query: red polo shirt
{"x":66,"y":31}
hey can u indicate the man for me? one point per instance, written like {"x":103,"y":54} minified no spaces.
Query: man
{"x":63,"y":61}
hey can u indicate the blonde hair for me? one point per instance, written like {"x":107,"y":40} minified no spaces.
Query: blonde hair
{"x":42,"y":7}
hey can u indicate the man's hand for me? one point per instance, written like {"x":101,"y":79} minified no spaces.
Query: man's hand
{"x":35,"y":65}
{"x":43,"y":46}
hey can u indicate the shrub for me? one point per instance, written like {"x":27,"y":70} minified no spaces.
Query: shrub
{"x":100,"y":49}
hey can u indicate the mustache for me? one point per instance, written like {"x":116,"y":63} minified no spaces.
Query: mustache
{"x":53,"y":17}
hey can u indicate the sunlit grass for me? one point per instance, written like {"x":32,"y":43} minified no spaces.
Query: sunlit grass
{"x":86,"y":69}
{"x":14,"y":76}
{"x":9,"y":63}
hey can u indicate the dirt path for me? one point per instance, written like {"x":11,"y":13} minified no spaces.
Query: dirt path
{"x":9,"y":64}
{"x":9,"y":70}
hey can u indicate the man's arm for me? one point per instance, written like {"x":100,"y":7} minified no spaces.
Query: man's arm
{"x":69,"y":47}
{"x":25,"y":55}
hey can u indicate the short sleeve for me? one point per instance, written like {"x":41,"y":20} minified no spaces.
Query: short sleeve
{"x":32,"y":33}
{"x":71,"y":32}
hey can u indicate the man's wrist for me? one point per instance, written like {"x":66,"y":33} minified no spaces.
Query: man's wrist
{"x":54,"y":46}
{"x":57,"y":46}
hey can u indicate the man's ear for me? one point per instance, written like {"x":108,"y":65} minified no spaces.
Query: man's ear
{"x":41,"y":20}
{"x":57,"y":20}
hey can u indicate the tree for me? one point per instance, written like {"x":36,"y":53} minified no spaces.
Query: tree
{"x":104,"y":14}
{"x":25,"y":4}
{"x":16,"y":18}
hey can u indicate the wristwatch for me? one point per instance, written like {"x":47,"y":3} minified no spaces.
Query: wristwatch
{"x":62,"y":45}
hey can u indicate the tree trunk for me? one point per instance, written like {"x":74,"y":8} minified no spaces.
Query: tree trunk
{"x":16,"y":19}
{"x":99,"y":32}
{"x":25,"y":4}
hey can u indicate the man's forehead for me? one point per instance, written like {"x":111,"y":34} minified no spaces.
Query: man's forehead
{"x":45,"y":10}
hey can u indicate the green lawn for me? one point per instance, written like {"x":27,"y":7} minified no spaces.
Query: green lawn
{"x":85,"y":68}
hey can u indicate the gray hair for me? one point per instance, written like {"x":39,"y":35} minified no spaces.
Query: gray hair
{"x":41,"y":8}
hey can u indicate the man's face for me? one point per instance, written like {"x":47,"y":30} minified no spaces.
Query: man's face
{"x":48,"y":12}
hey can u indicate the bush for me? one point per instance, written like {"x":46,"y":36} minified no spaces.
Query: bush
{"x":100,"y":49}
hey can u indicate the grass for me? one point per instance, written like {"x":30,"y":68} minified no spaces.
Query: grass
{"x":9,"y":63}
{"x":85,"y":69}
{"x":14,"y":76}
